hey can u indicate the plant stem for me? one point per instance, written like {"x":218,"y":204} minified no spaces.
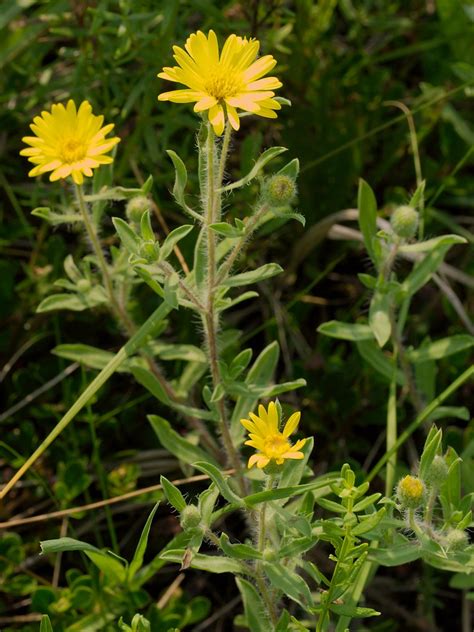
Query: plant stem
{"x":261,"y":542}
{"x":212,"y":212}
{"x":120,"y":314}
{"x":430,"y":506}
{"x":250,"y":227}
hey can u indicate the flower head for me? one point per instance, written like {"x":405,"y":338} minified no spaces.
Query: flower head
{"x":411,"y":492}
{"x":68,"y":142}
{"x":266,"y":437}
{"x":222,"y":83}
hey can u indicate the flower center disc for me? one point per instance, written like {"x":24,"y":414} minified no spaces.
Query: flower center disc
{"x":223,"y":83}
{"x":276,"y":445}
{"x":72,"y":150}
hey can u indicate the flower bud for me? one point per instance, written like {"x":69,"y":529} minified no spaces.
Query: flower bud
{"x":456,"y":540}
{"x":405,"y":222}
{"x":136,"y":206}
{"x":190,"y":517}
{"x":149,"y":250}
{"x":83,"y":285}
{"x":278,"y":190}
{"x":269,"y":554}
{"x":411,"y":492}
{"x":437,"y":472}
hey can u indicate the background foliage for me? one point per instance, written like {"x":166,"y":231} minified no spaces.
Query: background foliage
{"x":340,"y":62}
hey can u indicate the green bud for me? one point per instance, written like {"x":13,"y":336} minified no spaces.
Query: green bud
{"x":437,"y":472}
{"x":278,"y":190}
{"x":83,"y":285}
{"x":269,"y":555}
{"x":149,"y":250}
{"x":456,"y":540}
{"x":190,"y":517}
{"x":405,"y":222}
{"x":411,"y":492}
{"x":136,"y":206}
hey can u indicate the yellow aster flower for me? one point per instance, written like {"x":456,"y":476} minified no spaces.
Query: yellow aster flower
{"x":266,"y":437}
{"x":222,"y":83}
{"x":68,"y":142}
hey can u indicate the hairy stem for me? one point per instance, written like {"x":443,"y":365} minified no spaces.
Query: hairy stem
{"x":212,"y":212}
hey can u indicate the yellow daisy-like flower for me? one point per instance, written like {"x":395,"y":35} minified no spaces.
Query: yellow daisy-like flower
{"x":68,"y":142}
{"x":222,"y":83}
{"x":266,"y":437}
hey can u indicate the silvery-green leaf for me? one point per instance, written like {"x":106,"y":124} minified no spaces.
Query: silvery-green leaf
{"x":263,"y":159}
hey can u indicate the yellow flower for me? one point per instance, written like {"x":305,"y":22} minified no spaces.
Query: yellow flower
{"x":222,"y":83}
{"x":267,"y":438}
{"x":68,"y":142}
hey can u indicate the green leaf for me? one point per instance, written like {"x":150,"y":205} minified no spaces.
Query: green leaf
{"x":255,"y":611}
{"x":227,"y":230}
{"x":176,"y":444}
{"x":288,"y":492}
{"x":396,"y":555}
{"x":238,"y":551}
{"x":441,"y":348}
{"x":217,"y":477}
{"x":450,"y":490}
{"x":284,"y":387}
{"x":292,"y":169}
{"x":173,"y":238}
{"x":45,"y":625}
{"x":173,"y":494}
{"x":207,"y":502}
{"x":379,"y":361}
{"x":114,"y":570}
{"x":61,"y":545}
{"x":146,"y":228}
{"x":368,"y":523}
{"x":88,"y":356}
{"x":209,"y":563}
{"x":72,"y":302}
{"x":289,"y":582}
{"x":432,"y":244}
{"x":143,"y":273}
{"x":181,"y":179}
{"x":297,"y":546}
{"x":266,"y":271}
{"x":379,"y":319}
{"x":137,"y":561}
{"x":431,"y":448}
{"x":109,"y":565}
{"x":367,"y":205}
{"x":445,"y":412}
{"x":263,"y":159}
{"x":424,"y":270}
{"x":346,"y":331}
{"x":365,"y":502}
{"x":147,"y":379}
{"x":354,"y":612}
{"x":368,"y":280}
{"x":128,"y":237}
{"x":417,"y":198}
{"x":189,"y":353}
